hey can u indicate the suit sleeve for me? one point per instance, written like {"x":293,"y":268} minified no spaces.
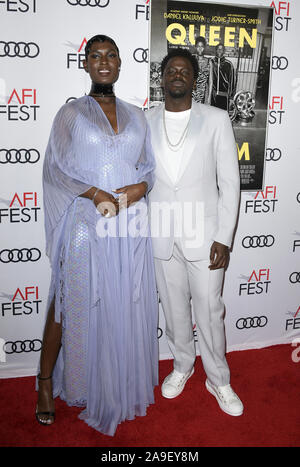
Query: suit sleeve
{"x":228,"y":180}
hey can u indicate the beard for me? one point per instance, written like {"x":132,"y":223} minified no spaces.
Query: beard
{"x":178,"y":93}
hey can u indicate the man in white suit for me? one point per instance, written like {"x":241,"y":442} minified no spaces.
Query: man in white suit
{"x":193,"y":211}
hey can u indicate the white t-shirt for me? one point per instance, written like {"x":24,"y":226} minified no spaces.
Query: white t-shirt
{"x":176,"y":122}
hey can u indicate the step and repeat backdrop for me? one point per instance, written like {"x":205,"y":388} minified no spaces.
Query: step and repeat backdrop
{"x":41,"y":52}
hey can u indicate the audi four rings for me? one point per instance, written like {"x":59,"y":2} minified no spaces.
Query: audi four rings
{"x":13,"y":156}
{"x":279,"y":63}
{"x":273,"y":154}
{"x":258,"y":241}
{"x":20,"y":256}
{"x":19,"y":49}
{"x":254,"y":322}
{"x":295,"y":277}
{"x":140,"y":55}
{"x":26,"y":346}
{"x":100,"y":3}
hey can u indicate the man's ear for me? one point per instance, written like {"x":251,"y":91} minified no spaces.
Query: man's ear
{"x":85,"y":66}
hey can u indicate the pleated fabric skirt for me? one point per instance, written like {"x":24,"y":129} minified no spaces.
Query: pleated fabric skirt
{"x":108,"y":362}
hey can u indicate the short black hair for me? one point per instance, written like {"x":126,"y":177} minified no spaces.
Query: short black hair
{"x":200,"y":39}
{"x":98,"y":38}
{"x":179,"y":52}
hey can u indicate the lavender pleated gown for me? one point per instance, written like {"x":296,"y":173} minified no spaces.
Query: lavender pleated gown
{"x":102,"y":269}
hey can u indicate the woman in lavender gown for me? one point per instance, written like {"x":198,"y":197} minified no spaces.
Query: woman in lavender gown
{"x":100,"y":348}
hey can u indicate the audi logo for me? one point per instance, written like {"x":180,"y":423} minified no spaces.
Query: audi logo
{"x":298,"y":197}
{"x":20,"y":256}
{"x":93,"y":3}
{"x":19,"y":49}
{"x":140,"y":55}
{"x":294,"y":277}
{"x":255,"y":322}
{"x":279,"y":63}
{"x":13,"y":156}
{"x":26,"y":346}
{"x":258,"y":241}
{"x":273,"y":154}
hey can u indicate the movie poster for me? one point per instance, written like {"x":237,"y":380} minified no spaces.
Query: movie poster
{"x":233,"y":46}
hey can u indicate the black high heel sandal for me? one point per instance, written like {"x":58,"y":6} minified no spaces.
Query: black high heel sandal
{"x":49,"y":414}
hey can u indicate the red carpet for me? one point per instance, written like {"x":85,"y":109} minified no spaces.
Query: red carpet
{"x":267,"y":381}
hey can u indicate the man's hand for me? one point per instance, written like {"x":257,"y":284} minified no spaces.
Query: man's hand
{"x":219,"y":256}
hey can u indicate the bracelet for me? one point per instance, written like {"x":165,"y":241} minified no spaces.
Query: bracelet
{"x":94,"y":196}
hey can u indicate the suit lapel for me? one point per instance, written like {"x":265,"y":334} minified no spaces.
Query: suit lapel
{"x":156,"y":140}
{"x":195,"y":126}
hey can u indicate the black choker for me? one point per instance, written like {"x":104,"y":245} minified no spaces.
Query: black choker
{"x":102,"y":90}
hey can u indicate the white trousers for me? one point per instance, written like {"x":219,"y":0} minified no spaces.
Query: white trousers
{"x":179,"y":281}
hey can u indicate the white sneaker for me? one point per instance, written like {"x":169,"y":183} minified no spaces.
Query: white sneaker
{"x":227,"y":399}
{"x":174,"y":383}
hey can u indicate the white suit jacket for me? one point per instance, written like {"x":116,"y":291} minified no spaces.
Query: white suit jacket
{"x":207,"y":191}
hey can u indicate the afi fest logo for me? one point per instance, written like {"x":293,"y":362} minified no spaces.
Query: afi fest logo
{"x":263,"y":202}
{"x":296,"y":243}
{"x":276,"y":110}
{"x":142,"y":11}
{"x":23,"y":207}
{"x":18,"y":6}
{"x":25,"y":301}
{"x":257,"y":283}
{"x":21,"y":105}
{"x":282,"y":15}
{"x":294,"y":322}
{"x":75,"y":60}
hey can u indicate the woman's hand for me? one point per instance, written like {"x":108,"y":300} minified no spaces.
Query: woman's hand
{"x":131,"y":194}
{"x":106,"y":203}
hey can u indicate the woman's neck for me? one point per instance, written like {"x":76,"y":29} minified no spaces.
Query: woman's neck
{"x":102,"y":90}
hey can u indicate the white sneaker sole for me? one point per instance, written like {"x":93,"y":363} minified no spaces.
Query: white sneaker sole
{"x":178,"y":393}
{"x":212,"y":391}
